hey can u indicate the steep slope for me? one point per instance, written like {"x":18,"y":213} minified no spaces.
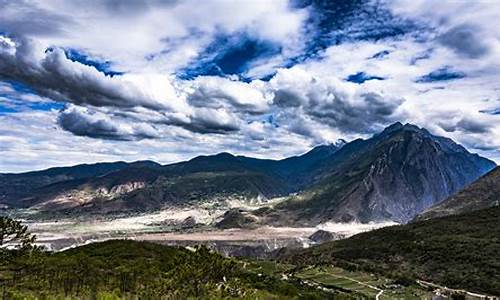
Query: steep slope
{"x":394,"y":175}
{"x":461,"y":252}
{"x":147,"y":185}
{"x":14,"y":187}
{"x":483,"y":193}
{"x":142,"y":188}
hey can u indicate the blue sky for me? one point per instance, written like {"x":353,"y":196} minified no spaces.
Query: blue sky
{"x":168,"y":80}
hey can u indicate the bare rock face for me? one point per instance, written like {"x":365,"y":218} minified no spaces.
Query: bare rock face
{"x":322,"y":236}
{"x":237,"y":218}
{"x":411,"y":170}
{"x":483,"y":193}
{"x":188,"y":222}
{"x":394,"y":175}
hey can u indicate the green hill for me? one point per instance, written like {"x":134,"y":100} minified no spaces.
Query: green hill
{"x":128,"y":269}
{"x":461,"y":251}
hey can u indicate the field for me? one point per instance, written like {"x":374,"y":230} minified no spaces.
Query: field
{"x":461,"y":253}
{"x":366,"y":284}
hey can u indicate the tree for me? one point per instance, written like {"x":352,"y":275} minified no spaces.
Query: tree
{"x":14,"y":233}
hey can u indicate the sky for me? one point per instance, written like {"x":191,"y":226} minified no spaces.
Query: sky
{"x":85,"y":81}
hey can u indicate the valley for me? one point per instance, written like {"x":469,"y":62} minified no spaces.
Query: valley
{"x":249,"y":149}
{"x":401,"y":215}
{"x":186,"y":227}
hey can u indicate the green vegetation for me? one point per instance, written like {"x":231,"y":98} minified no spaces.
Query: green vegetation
{"x":361,"y":283}
{"x":13,"y":233}
{"x":460,"y":252}
{"x":128,"y":269}
{"x":334,"y":277}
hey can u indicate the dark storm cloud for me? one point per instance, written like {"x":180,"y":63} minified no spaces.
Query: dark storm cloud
{"x":466,"y":40}
{"x":361,"y":117}
{"x":82,"y":122}
{"x":327,"y":104}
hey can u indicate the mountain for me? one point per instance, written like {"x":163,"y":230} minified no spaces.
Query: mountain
{"x":483,"y":193}
{"x":394,"y":175}
{"x":461,"y":251}
{"x":298,"y":171}
{"x":14,"y":187}
{"x":145,"y":185}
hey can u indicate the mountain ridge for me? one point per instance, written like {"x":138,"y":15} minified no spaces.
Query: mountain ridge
{"x":393,"y":175}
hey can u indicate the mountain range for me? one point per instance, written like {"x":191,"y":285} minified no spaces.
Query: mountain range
{"x":394,"y":175}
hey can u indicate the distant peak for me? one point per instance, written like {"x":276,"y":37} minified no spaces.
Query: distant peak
{"x":398,"y":126}
{"x":329,"y":148}
{"x":339,"y":143}
{"x":393,"y":127}
{"x":224,"y":155}
{"x":218,"y":156}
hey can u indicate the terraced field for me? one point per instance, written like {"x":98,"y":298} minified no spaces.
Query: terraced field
{"x":368,"y":285}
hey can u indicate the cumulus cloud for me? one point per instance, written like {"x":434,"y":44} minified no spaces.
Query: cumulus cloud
{"x":85,"y":122}
{"x":217,"y":92}
{"x":468,"y":124}
{"x":51,"y":74}
{"x":205,"y":105}
{"x":212,"y":120}
{"x":331,"y":101}
{"x":147,"y":111}
{"x":466,"y":40}
{"x":173,"y":33}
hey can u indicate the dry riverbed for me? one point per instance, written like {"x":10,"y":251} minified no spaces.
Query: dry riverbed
{"x":170,"y":226}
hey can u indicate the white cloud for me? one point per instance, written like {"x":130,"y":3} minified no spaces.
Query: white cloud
{"x":127,"y":32}
{"x":211,"y":91}
{"x":150,"y":110}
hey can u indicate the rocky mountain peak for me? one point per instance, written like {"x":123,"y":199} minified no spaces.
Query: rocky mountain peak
{"x":398,"y":127}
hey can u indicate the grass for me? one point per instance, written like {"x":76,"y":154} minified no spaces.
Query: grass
{"x":460,"y":252}
{"x":338,"y":279}
{"x":361,"y":283}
